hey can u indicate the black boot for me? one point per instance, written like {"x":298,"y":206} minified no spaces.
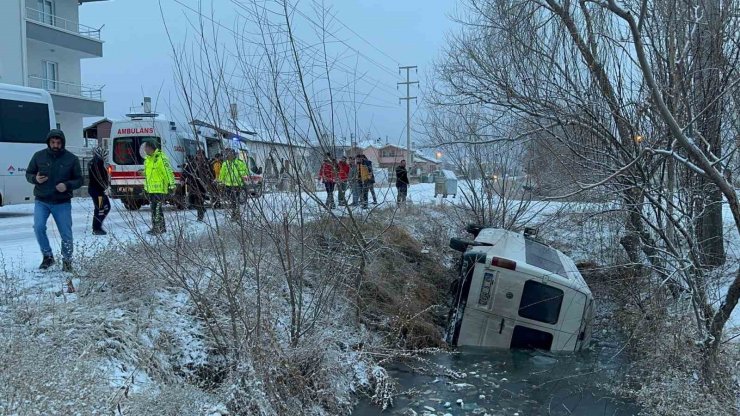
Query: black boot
{"x":67,"y":266}
{"x":99,"y":231}
{"x":47,"y":262}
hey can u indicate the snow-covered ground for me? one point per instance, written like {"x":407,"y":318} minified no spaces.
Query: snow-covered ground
{"x":18,"y":245}
{"x":20,"y":255}
{"x":19,"y":252}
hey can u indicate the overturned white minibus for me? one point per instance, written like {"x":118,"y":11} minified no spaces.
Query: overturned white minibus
{"x":515,"y":292}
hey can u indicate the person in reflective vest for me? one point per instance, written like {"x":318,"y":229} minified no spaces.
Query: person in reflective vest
{"x":231,"y":177}
{"x":159,"y":182}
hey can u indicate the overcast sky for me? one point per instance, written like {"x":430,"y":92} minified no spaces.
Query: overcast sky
{"x":137,"y":59}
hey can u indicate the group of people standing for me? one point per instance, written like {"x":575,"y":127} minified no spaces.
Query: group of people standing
{"x":355,"y":173}
{"x":206,"y":179}
{"x":56,"y":173}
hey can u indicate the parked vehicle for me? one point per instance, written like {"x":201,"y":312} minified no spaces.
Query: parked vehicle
{"x":127,"y":155}
{"x":26,"y":116}
{"x":516,"y":292}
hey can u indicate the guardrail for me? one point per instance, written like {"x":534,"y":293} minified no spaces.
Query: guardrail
{"x":68,"y":88}
{"x":49,"y":19}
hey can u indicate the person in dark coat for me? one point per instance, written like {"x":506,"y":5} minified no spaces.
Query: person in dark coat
{"x":354,"y":182}
{"x":198,"y":177}
{"x":98,"y":184}
{"x":55,"y":173}
{"x":402,"y":182}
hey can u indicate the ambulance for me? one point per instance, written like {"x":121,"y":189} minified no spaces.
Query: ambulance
{"x":126,"y":150}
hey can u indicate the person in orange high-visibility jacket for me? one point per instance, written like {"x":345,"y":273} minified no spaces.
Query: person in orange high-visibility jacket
{"x":159,"y":182}
{"x":233,"y":171}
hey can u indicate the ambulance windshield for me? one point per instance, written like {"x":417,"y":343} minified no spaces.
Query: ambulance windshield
{"x":129,"y":150}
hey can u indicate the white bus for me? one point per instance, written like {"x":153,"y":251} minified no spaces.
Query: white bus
{"x":515,"y":292}
{"x":26,"y":116}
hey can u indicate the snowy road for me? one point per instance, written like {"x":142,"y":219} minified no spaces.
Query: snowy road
{"x":19,"y":250}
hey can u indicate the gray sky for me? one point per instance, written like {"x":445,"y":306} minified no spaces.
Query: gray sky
{"x":137,"y":59}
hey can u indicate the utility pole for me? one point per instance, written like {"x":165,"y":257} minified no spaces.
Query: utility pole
{"x":408,"y":99}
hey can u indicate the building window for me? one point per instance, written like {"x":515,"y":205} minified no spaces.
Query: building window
{"x":50,"y":75}
{"x":46,"y":11}
{"x":388,"y":153}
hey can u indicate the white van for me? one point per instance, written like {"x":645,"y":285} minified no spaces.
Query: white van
{"x":26,"y":116}
{"x":126,"y":149}
{"x":515,"y":292}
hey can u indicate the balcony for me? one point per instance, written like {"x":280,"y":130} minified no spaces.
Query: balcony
{"x":55,"y":30}
{"x":70,"y":97}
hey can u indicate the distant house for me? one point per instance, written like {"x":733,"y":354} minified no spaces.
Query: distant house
{"x":97,"y":133}
{"x":388,"y":156}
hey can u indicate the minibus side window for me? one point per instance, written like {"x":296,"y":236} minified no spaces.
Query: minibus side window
{"x":23,"y":122}
{"x":540,"y":302}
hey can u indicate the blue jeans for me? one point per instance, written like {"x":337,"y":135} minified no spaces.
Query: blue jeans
{"x":62,"y":214}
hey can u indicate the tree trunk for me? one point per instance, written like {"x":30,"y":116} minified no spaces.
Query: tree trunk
{"x":707,"y":82}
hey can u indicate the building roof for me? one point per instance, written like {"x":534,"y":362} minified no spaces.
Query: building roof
{"x":247,"y":134}
{"x":97,"y":123}
{"x":230,"y":132}
{"x":418,"y":155}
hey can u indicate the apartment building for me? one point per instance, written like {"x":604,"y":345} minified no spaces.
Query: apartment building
{"x":42,"y":46}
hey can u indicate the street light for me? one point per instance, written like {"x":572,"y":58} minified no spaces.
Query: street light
{"x":439,"y":155}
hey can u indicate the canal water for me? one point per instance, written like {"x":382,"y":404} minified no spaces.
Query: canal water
{"x":512,"y":382}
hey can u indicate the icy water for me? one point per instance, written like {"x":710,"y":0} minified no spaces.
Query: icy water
{"x":519,"y":383}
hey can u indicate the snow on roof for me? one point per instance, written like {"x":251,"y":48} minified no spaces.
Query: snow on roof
{"x":422,"y":156}
{"x":248,"y":134}
{"x":95,"y":124}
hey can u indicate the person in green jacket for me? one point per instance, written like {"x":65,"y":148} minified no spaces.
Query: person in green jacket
{"x":231,"y":177}
{"x":159,"y":182}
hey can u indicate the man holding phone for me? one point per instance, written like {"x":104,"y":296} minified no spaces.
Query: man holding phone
{"x":55,"y":172}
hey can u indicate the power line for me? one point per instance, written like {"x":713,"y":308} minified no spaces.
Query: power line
{"x":363,"y":39}
{"x":313,"y":22}
{"x":303,"y":44}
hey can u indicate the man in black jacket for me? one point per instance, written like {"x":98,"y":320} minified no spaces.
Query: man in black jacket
{"x":55,"y":172}
{"x":99,"y":182}
{"x":402,"y":182}
{"x":198,"y":177}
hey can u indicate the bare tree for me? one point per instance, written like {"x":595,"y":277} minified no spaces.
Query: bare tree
{"x":637,"y":122}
